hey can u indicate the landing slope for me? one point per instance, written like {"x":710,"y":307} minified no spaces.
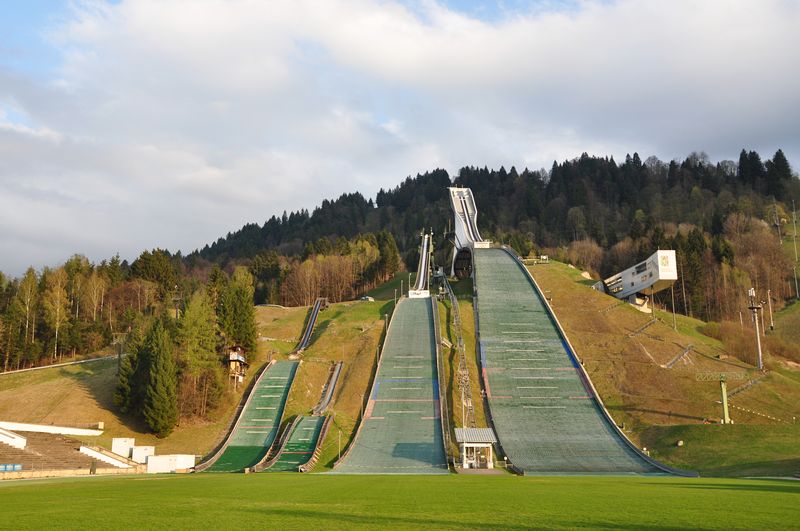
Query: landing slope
{"x":300,"y":446}
{"x":258,"y":426}
{"x":546,"y":420}
{"x":401,"y":431}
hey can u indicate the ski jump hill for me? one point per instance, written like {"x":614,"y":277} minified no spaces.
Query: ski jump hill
{"x":255,"y":430}
{"x":401,"y":429}
{"x":544,"y":409}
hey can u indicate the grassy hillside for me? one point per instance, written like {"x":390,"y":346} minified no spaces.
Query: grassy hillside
{"x":659,"y":405}
{"x":83,"y":394}
{"x":294,"y":501}
{"x":349,"y":332}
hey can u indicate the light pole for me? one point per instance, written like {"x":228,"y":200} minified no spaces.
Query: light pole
{"x":674,"y":321}
{"x":754,"y":307}
{"x":794,"y":222}
{"x":796,"y":291}
{"x":769,"y":303}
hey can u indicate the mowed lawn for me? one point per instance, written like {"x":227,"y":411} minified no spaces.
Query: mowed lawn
{"x":291,"y":501}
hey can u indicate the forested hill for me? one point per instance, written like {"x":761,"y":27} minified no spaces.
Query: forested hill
{"x":404,"y":211}
{"x":723,"y":219}
{"x":729,"y":222}
{"x":588,"y":197}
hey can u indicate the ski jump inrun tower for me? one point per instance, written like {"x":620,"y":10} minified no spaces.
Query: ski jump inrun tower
{"x":467,"y":237}
{"x":421,"y":288}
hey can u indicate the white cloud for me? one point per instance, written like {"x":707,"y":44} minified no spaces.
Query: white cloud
{"x":170,"y":123}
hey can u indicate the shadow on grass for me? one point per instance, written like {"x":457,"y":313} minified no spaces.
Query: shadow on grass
{"x":668,"y":414}
{"x":101,"y":383}
{"x":788,"y":487}
{"x":319,"y":519}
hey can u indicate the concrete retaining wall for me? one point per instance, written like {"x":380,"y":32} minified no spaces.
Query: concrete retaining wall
{"x":159,"y":464}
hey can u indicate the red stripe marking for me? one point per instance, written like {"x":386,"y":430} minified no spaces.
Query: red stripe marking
{"x":404,"y":400}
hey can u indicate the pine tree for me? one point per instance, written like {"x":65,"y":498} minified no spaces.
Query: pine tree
{"x":124,"y":392}
{"x":389,"y":262}
{"x":201,"y":382}
{"x":778,"y":174}
{"x":160,"y":409}
{"x":244,"y":311}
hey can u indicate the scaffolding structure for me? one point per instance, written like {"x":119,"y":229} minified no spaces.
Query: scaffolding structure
{"x":464,"y":385}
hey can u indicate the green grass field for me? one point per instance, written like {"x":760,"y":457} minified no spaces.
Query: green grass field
{"x":292,"y":501}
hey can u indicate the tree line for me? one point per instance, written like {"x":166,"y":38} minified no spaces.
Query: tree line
{"x":726,"y":220}
{"x":174,"y":367}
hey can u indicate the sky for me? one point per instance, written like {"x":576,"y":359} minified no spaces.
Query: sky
{"x":136,"y":124}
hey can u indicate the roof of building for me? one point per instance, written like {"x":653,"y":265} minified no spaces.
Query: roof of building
{"x":475,"y":435}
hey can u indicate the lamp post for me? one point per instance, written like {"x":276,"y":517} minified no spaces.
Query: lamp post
{"x":754,"y":307}
{"x":769,"y":302}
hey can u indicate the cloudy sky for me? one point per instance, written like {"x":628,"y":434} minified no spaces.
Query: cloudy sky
{"x":133,"y":124}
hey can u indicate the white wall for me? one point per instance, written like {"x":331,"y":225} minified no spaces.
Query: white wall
{"x":43,"y":428}
{"x":122,"y":446}
{"x":141,"y":453}
{"x":12,"y":439}
{"x":159,"y":464}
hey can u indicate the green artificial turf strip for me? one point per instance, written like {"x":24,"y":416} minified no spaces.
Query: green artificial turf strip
{"x":292,"y":501}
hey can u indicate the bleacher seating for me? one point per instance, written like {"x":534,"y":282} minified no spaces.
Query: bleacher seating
{"x":46,"y":451}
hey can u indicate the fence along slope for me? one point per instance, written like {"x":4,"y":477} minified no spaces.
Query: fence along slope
{"x":547,"y":415}
{"x":401,"y":432}
{"x":260,"y":420}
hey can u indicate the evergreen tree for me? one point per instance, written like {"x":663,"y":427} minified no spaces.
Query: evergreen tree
{"x":201,"y":379}
{"x":237,"y":316}
{"x":389,"y":262}
{"x":123,"y":394}
{"x":133,"y":371}
{"x":197,"y":331}
{"x":160,"y":409}
{"x":778,"y":174}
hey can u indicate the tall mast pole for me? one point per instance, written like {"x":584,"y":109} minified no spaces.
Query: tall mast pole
{"x":754,"y":307}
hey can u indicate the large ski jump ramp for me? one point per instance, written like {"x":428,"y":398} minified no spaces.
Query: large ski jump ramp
{"x":401,"y":432}
{"x":547,"y":419}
